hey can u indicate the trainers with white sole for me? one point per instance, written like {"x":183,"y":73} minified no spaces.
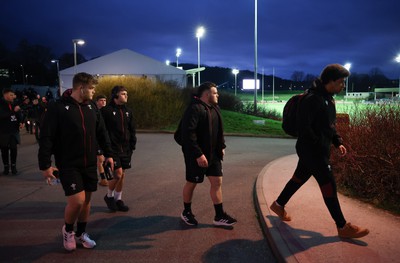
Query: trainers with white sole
{"x":68,"y":240}
{"x":224,"y":220}
{"x":85,"y":240}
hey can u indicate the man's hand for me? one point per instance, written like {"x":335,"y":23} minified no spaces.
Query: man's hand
{"x":202,"y":161}
{"x":48,"y":174}
{"x":17,"y":108}
{"x":111,"y":162}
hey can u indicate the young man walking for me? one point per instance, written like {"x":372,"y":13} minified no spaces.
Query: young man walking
{"x":101,"y":101}
{"x":203,"y":147}
{"x":317,"y":132}
{"x":121,"y":129}
{"x":70,"y":130}
{"x":10,"y":123}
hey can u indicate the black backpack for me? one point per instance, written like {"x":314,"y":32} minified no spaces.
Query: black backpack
{"x":178,"y":133}
{"x":290,"y":113}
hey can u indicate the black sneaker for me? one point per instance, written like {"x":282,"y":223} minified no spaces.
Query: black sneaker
{"x":14,"y":169}
{"x":188,"y":218}
{"x":224,"y":220}
{"x":110,"y":201}
{"x":6,"y":169}
{"x":121,"y":206}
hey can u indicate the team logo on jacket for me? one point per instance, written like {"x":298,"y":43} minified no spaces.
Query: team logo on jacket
{"x":67,"y":107}
{"x":127,"y":114}
{"x":90,"y":106}
{"x":114,"y":113}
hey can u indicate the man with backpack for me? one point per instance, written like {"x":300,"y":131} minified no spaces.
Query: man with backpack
{"x":316,"y":118}
{"x":203,"y":145}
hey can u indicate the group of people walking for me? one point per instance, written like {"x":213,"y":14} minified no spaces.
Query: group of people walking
{"x":87,"y":139}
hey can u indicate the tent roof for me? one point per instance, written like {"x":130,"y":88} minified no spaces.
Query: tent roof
{"x":124,"y":61}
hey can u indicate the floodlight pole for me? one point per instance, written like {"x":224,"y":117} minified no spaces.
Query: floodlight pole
{"x":255,"y":56}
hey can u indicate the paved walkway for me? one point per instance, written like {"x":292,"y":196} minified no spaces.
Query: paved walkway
{"x":311,"y":236}
{"x":31,"y":213}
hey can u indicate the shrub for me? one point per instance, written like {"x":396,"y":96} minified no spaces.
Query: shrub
{"x":155,"y":104}
{"x":370,"y":170}
{"x":248,"y":108}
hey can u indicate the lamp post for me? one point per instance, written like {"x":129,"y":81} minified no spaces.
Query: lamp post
{"x":347,"y":66}
{"x":58,"y":75}
{"x":178,"y":53}
{"x":398,"y":61}
{"x":235,"y":72}
{"x":255,"y":56}
{"x":23,"y":74}
{"x":199,"y":33}
{"x":77,"y":42}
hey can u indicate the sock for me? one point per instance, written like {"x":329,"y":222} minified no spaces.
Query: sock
{"x":187,"y":207}
{"x":69,"y":227}
{"x":102,"y":176}
{"x":219,"y":211}
{"x":81,"y":227}
{"x":117,"y":195}
{"x":110,"y":193}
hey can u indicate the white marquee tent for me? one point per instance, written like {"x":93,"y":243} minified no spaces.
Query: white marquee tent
{"x":125,"y":62}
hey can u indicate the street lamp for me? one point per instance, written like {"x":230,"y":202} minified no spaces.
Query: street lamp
{"x":235,"y":72}
{"x":347,"y":66}
{"x":79,"y":42}
{"x":398,"y":61}
{"x":255,"y":55}
{"x":58,"y":75}
{"x":178,"y":53}
{"x":23,"y":74}
{"x":199,"y":33}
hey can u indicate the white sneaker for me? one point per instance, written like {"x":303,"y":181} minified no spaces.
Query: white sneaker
{"x":86,"y":241}
{"x":68,"y":239}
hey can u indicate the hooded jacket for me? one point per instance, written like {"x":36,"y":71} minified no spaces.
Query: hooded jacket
{"x":121,"y":128}
{"x":316,"y":123}
{"x":9,"y":119}
{"x":71,"y":131}
{"x":197,"y":130}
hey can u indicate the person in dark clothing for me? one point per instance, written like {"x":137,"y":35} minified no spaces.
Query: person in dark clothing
{"x":33,"y":117}
{"x":203,"y":147}
{"x":71,"y":129}
{"x":101,"y":101}
{"x":317,"y":132}
{"x":10,"y":123}
{"x":121,"y":129}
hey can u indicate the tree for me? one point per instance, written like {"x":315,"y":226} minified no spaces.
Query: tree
{"x":297,"y":76}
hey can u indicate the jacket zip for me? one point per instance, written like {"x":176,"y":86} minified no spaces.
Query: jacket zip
{"x":84,"y":135}
{"x":210,"y":130}
{"x":122,"y":127}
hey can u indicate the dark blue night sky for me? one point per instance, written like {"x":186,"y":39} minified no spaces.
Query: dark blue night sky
{"x":292,"y":35}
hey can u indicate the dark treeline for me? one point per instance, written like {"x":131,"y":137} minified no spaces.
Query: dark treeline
{"x":31,"y":64}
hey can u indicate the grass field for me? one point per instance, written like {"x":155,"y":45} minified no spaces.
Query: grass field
{"x":277,"y":102}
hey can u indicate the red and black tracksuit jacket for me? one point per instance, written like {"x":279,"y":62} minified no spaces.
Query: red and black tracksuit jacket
{"x":121,"y":128}
{"x":71,"y":131}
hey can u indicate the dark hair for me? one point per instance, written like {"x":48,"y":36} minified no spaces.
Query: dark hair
{"x":83,"y":78}
{"x":101,"y":97}
{"x":116,"y":90}
{"x":333,"y":72}
{"x":7,"y":90}
{"x":204,"y":87}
